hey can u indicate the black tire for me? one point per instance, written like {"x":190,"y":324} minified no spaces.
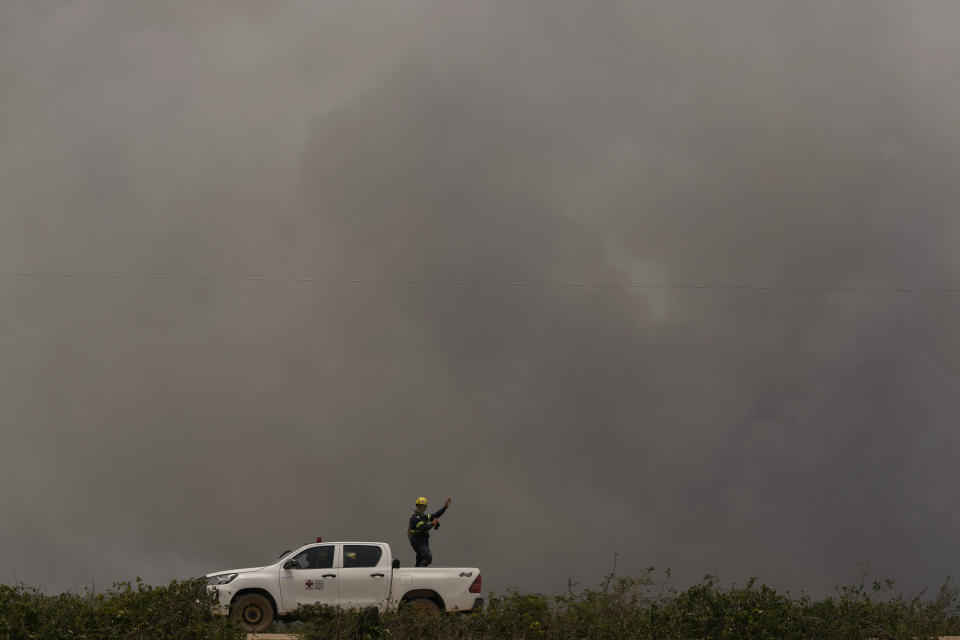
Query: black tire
{"x":253,"y":612}
{"x":423,"y":606}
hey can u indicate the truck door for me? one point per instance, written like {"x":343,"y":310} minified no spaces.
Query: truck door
{"x":364,"y":575}
{"x":312,"y":579}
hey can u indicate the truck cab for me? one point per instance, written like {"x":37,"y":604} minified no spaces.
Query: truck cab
{"x":340,"y":574}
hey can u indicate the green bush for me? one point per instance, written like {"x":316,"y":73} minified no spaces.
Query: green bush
{"x":622,"y":608}
{"x":628,"y":608}
{"x":181,"y":610}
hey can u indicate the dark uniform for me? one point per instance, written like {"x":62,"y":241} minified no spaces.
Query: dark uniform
{"x":419,"y":534}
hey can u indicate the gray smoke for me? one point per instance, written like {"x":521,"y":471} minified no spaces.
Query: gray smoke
{"x":169,"y":427}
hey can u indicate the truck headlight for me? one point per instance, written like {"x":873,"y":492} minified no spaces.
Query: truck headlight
{"x":223,"y":578}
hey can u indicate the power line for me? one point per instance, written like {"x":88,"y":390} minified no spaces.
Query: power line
{"x":475,"y":283}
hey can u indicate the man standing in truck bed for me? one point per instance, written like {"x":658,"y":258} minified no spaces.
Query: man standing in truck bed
{"x":419,"y":532}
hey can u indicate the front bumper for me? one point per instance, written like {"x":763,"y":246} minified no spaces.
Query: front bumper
{"x":222,"y":599}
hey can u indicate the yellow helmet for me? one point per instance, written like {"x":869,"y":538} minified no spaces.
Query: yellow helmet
{"x":421,"y":500}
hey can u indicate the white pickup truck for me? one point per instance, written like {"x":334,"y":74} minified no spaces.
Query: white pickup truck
{"x":341,"y":574}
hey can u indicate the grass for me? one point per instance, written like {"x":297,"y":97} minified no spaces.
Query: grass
{"x":178,"y":611}
{"x":633,"y":607}
{"x":621,"y":608}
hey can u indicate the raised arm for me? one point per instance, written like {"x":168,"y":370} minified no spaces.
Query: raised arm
{"x":445,"y":506}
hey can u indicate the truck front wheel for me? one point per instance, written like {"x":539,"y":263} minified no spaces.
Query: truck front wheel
{"x":253,"y":612}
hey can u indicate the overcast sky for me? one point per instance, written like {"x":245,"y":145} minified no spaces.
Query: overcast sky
{"x":389,"y":150}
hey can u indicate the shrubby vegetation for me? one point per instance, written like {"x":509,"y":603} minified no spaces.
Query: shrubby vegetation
{"x":178,"y":611}
{"x":628,"y":608}
{"x":621,"y":608}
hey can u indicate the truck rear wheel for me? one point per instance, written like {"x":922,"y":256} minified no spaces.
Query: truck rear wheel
{"x":253,"y":612}
{"x":424,"y":606}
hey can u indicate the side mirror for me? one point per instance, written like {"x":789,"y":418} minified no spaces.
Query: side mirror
{"x":396,"y":563}
{"x":290,"y":564}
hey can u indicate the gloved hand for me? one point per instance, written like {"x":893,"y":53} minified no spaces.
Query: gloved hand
{"x":435,"y":522}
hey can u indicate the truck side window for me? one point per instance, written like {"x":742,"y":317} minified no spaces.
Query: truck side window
{"x":315,"y":558}
{"x":361,"y":555}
